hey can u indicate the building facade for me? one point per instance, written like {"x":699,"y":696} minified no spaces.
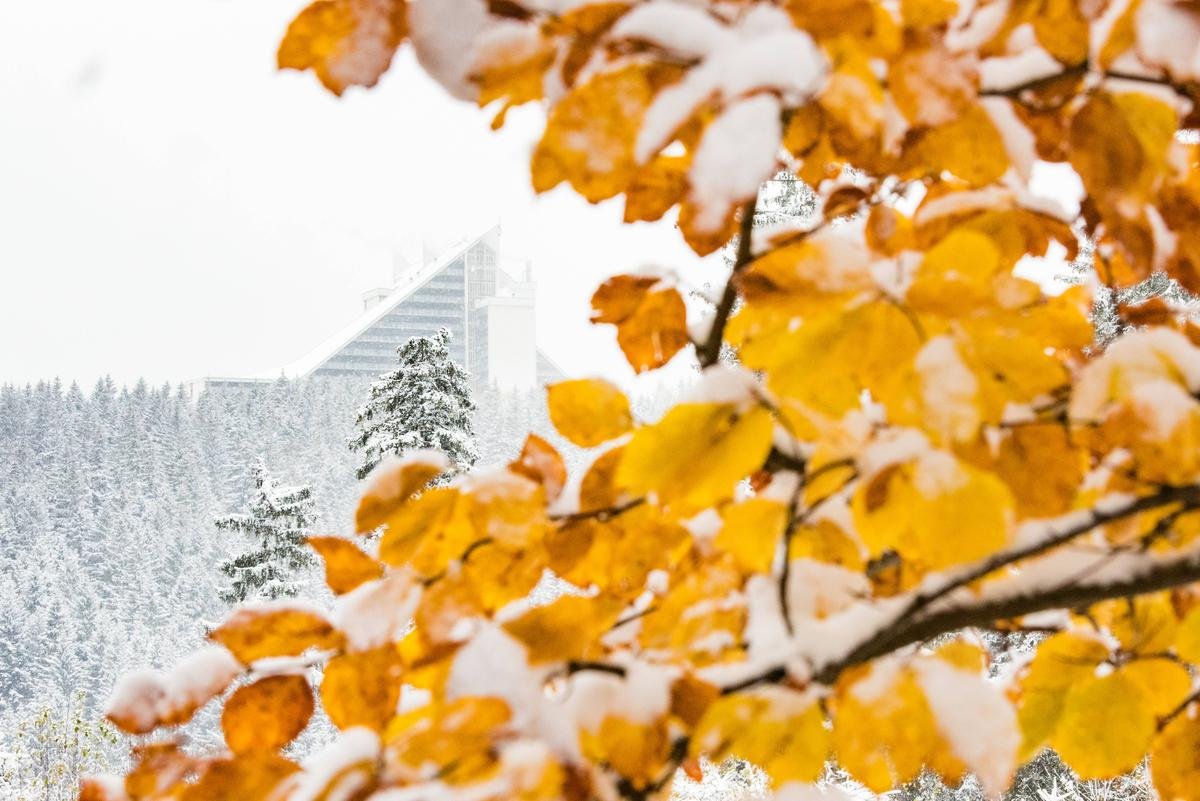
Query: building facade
{"x":489,"y":313}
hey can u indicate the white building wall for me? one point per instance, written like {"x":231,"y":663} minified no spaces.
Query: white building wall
{"x":512,"y":342}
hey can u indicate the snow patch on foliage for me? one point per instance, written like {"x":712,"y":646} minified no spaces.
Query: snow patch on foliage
{"x":948,"y":388}
{"x":761,"y":51}
{"x":1139,"y":356}
{"x":1006,"y":72}
{"x":354,"y":746}
{"x":378,"y":612}
{"x":892,"y":447}
{"x":443,"y":34}
{"x":682,"y":29}
{"x":724,"y":383}
{"x":738,"y":151}
{"x":141,"y":699}
{"x":975,"y":718}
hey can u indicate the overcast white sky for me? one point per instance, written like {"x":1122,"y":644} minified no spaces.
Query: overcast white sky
{"x":171,"y":206}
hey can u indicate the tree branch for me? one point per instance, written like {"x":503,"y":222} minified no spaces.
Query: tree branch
{"x":1158,"y":576}
{"x":915,"y":623}
{"x":709,"y":350}
{"x":1189,"y":495}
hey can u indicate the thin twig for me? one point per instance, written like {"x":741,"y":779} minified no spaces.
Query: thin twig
{"x":603,"y":515}
{"x":709,"y":351}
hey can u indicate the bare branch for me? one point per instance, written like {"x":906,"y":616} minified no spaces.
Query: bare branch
{"x":709,"y":350}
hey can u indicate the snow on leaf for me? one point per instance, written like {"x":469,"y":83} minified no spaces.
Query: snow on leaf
{"x":393,"y":483}
{"x":280,"y":628}
{"x":345,"y":42}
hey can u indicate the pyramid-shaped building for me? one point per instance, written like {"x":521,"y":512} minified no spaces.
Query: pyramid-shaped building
{"x":489,"y":313}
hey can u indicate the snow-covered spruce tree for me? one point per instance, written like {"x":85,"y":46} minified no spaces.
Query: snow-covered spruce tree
{"x":277,"y":523}
{"x":424,"y":403}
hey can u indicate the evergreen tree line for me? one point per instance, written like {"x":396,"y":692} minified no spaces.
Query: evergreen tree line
{"x":109,"y":549}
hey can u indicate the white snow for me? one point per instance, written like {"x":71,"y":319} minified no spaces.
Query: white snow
{"x":1143,"y":355}
{"x":141,"y":699}
{"x":136,"y":699}
{"x":761,"y":51}
{"x":356,"y":746}
{"x":724,"y":383}
{"x":1168,"y":35}
{"x":378,"y":612}
{"x":765,"y":631}
{"x":818,"y":590}
{"x":796,"y":791}
{"x":975,"y":718}
{"x":682,"y":29}
{"x":1019,"y":142}
{"x":949,"y":389}
{"x":1163,"y":405}
{"x":893,"y":446}
{"x":1001,"y":73}
{"x":738,"y":151}
{"x":972,"y":31}
{"x":199,"y":676}
{"x":443,"y":34}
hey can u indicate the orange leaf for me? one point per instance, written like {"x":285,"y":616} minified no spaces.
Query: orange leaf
{"x":346,"y":566}
{"x":590,"y":134}
{"x":345,"y":42}
{"x":541,"y":463}
{"x":393,"y":483}
{"x":651,"y":324}
{"x":275,"y":630}
{"x":362,"y":689}
{"x":243,"y":778}
{"x":267,"y":715}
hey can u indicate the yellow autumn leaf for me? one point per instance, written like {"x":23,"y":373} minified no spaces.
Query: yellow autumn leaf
{"x":696,"y":455}
{"x":1175,"y":760}
{"x":751,"y":531}
{"x":655,"y":188}
{"x":588,"y":411}
{"x":780,"y":731}
{"x":936,"y":511}
{"x":828,"y":360}
{"x":1164,"y":683}
{"x":1106,"y":726}
{"x":956,"y":274}
{"x":1143,"y":625}
{"x":1187,"y":637}
{"x":636,"y":751}
{"x":1061,"y":661}
{"x":267,"y":715}
{"x":885,"y":733}
{"x":249,"y":777}
{"x":969,"y":147}
{"x":565,"y":628}
{"x":651,"y":322}
{"x":392,"y":484}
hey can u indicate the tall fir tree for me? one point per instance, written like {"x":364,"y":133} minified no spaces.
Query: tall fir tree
{"x":425,"y":403}
{"x":278,"y":522}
